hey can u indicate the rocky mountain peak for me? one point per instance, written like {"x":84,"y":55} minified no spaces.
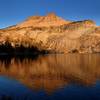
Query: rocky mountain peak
{"x":51,"y":14}
{"x":50,"y":19}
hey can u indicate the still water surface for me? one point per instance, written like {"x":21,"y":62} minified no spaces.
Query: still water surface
{"x":50,"y":77}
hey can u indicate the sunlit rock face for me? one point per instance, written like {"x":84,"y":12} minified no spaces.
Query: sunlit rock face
{"x":51,"y":33}
{"x":53,"y":71}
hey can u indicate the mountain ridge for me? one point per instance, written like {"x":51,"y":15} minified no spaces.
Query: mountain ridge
{"x":53,"y":34}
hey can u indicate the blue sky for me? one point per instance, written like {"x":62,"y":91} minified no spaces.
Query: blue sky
{"x":15,"y":11}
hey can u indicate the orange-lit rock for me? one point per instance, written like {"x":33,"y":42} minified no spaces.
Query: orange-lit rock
{"x":53,"y":34}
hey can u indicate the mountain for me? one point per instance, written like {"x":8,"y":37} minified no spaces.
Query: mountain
{"x":51,"y":34}
{"x":43,"y":21}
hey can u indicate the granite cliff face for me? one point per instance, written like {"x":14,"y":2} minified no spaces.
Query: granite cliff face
{"x":51,"y":34}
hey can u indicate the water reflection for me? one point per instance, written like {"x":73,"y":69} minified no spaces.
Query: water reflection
{"x":51,"y":72}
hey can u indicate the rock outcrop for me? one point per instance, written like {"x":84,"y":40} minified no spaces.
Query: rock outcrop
{"x":51,"y":34}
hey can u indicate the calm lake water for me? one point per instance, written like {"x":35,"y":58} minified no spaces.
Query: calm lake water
{"x":50,"y":77}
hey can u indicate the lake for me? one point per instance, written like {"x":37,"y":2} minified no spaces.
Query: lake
{"x":50,"y":77}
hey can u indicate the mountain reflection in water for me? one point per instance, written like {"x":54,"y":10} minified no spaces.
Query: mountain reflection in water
{"x":51,"y":73}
